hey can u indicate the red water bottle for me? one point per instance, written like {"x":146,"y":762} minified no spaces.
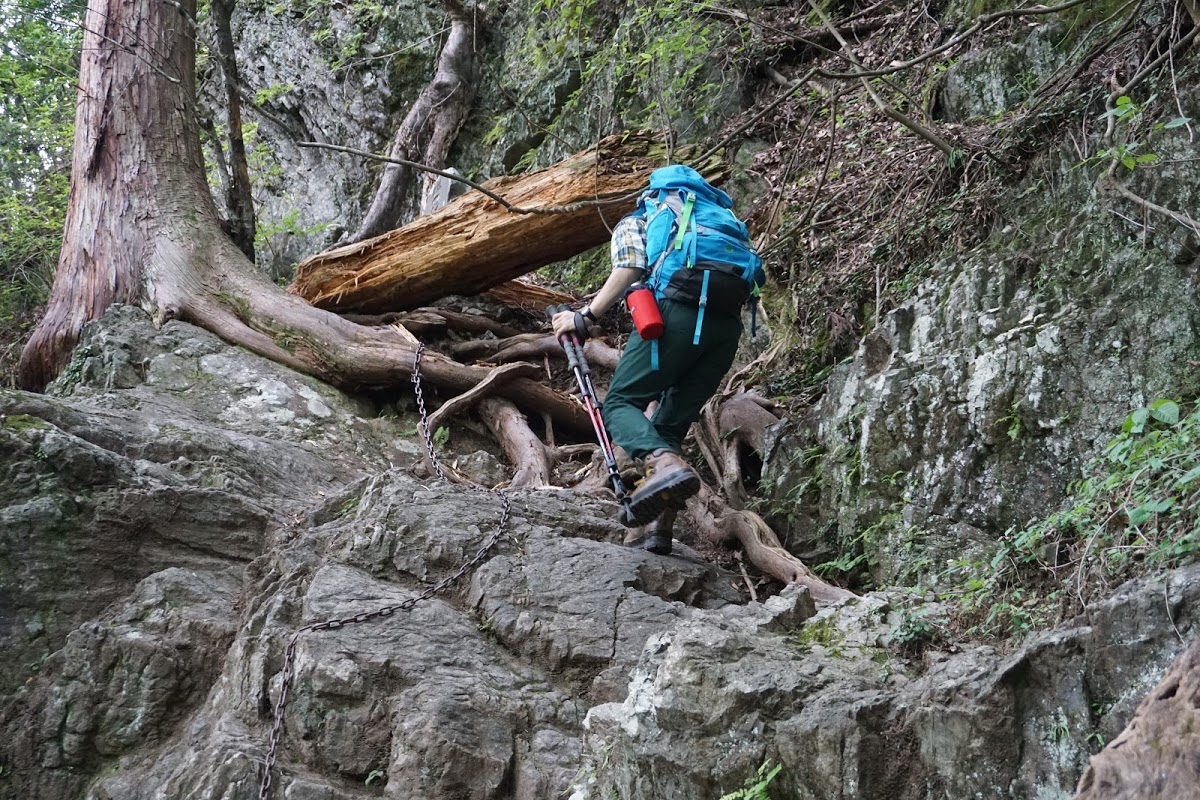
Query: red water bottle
{"x":645,"y":313}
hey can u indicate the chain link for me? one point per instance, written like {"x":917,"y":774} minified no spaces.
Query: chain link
{"x":289,"y":653}
{"x":424,"y":426}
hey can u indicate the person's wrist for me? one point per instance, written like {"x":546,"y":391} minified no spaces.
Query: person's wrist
{"x":588,"y":313}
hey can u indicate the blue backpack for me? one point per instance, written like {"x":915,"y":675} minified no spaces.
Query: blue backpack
{"x":698,"y":252}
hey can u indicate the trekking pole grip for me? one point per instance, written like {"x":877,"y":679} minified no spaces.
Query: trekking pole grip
{"x":581,"y":327}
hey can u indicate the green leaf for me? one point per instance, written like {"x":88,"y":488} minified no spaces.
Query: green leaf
{"x":1177,"y":122}
{"x":1148,"y":509}
{"x":1128,"y":161}
{"x":1138,"y":516}
{"x":1166,"y":411}
{"x":1136,"y":422}
{"x":1146,"y":158}
{"x":1187,"y":477}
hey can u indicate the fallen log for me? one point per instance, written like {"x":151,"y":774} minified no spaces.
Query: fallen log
{"x":475,"y":242}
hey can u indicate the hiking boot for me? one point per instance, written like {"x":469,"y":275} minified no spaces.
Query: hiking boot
{"x":655,"y":537}
{"x":668,"y":484}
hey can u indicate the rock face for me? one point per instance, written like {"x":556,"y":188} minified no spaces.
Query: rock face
{"x":970,"y":408}
{"x":161,"y":547}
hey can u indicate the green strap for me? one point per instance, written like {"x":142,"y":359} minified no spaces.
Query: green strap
{"x":685,"y":216}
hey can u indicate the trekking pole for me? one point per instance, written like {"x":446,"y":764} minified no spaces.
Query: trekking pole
{"x":572,"y":345}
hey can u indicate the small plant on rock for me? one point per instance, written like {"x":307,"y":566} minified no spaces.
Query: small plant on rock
{"x":1133,"y":513}
{"x":755,"y":787}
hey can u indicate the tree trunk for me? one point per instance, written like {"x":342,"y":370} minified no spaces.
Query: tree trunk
{"x":1154,"y":758}
{"x":142,"y":229}
{"x":238,"y":200}
{"x":435,"y":117}
{"x":475,"y":243}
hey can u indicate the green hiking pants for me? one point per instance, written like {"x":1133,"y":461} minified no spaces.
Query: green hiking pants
{"x":687,"y":376}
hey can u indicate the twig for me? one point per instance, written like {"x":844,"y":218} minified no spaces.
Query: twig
{"x":746,"y":577}
{"x":279,"y":122}
{"x":1046,"y":90}
{"x":516,"y":103}
{"x":1176,"y":48}
{"x":1174,"y":77}
{"x":796,"y":85}
{"x":898,"y":116}
{"x":950,"y":44}
{"x":1107,"y":181}
{"x":820,"y":182}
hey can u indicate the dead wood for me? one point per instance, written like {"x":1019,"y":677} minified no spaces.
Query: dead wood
{"x":1155,"y":756}
{"x":434,"y":320}
{"x":526,"y":344}
{"x":474,"y":243}
{"x":432,"y":122}
{"x":525,"y":452}
{"x":568,"y":452}
{"x":528,"y":296}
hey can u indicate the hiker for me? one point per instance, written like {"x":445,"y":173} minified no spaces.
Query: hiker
{"x":699,"y":296}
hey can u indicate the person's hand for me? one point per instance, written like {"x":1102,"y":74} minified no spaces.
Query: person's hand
{"x":563,"y":322}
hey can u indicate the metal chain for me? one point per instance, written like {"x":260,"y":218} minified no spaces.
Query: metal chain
{"x":424,"y":426}
{"x":289,"y":654}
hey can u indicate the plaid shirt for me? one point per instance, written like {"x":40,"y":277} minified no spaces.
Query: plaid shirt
{"x":628,"y":246}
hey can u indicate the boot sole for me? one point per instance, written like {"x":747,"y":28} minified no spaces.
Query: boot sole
{"x":673,"y":493}
{"x":659,"y":545}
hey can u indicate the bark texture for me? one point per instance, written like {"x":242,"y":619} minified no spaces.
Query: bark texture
{"x":238,"y":200}
{"x":1157,"y":756}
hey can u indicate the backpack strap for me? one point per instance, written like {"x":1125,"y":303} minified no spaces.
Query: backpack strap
{"x":703,"y":303}
{"x":685,"y":216}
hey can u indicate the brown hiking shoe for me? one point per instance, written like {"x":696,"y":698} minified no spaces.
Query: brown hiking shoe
{"x":655,"y":537}
{"x":668,"y":484}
